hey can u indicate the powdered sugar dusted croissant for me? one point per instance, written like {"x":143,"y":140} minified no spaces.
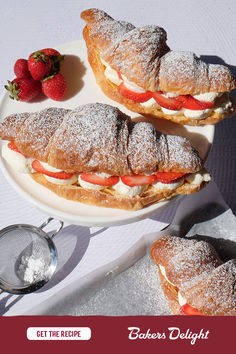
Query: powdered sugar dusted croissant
{"x":135,"y":67}
{"x":193,"y":277}
{"x":97,"y":155}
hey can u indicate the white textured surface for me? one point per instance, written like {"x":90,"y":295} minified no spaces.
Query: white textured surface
{"x":206,"y":27}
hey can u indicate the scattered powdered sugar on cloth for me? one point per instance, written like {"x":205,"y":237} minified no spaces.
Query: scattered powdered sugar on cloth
{"x":136,"y":291}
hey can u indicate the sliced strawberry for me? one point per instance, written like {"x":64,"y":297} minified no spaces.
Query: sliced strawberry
{"x":138,"y":180}
{"x":190,"y":102}
{"x":102,"y":181}
{"x":60,"y":175}
{"x":168,"y":177}
{"x":134,"y":96}
{"x":13,"y":147}
{"x":120,"y":76}
{"x":167,"y":102}
{"x":189,"y":310}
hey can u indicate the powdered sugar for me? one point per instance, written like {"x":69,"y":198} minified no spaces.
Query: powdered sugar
{"x":111,"y":29}
{"x":142,"y":53}
{"x":120,"y":42}
{"x":196,"y":269}
{"x":146,"y":44}
{"x":216,"y":291}
{"x":185,"y":73}
{"x":100,"y":138}
{"x":143,"y":151}
{"x":183,"y":70}
{"x":32,"y":268}
{"x":11,"y":125}
{"x":221,"y":78}
{"x":93,"y":137}
{"x":36,"y":131}
{"x":177,"y":152}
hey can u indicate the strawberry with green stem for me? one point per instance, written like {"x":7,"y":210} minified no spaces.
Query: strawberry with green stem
{"x":56,"y":59}
{"x":23,"y":89}
{"x":54,"y":87}
{"x":39,"y":65}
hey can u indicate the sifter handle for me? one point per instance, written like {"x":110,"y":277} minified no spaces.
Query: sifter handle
{"x":61,"y":224}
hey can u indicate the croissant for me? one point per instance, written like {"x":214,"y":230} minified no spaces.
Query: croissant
{"x":135,"y":67}
{"x":193,"y":277}
{"x":96,"y":155}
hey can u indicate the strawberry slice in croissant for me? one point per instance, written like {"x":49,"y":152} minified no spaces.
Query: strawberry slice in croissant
{"x":96,"y":155}
{"x":193,"y":277}
{"x":135,"y":67}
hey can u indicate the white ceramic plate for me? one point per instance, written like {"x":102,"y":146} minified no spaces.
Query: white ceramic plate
{"x":83,"y":89}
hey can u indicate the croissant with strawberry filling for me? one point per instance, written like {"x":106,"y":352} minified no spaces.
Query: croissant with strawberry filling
{"x":96,"y":155}
{"x":134,"y":66}
{"x":193,"y":277}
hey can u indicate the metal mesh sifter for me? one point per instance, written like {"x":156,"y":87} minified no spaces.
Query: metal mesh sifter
{"x":28,"y":257}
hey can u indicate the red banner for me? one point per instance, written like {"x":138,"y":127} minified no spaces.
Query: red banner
{"x":185,"y":334}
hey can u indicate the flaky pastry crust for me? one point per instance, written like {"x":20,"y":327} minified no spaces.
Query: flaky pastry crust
{"x":142,"y":55}
{"x":196,"y":271}
{"x":111,"y":199}
{"x":100,"y":138}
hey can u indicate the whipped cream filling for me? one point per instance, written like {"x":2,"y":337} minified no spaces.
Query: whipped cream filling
{"x":132,"y":86}
{"x":171,"y":111}
{"x":225,"y":106}
{"x":62,"y":182}
{"x":123,"y":189}
{"x":168,"y":186}
{"x":149,"y":103}
{"x":207,"y":96}
{"x":198,"y":177}
{"x":119,"y":187}
{"x":49,"y":167}
{"x":163,"y":272}
{"x":87,"y":185}
{"x":112,"y":75}
{"x":16,"y":160}
{"x":182,"y":301}
{"x":20,"y":163}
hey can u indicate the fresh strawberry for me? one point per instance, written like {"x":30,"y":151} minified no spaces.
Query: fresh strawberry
{"x":167,"y":102}
{"x":21,"y":69}
{"x":56,"y":59}
{"x":189,"y":310}
{"x":60,"y":175}
{"x":51,"y":52}
{"x":119,"y":75}
{"x":138,"y":180}
{"x":54,"y":87}
{"x":190,"y":102}
{"x":102,"y":181}
{"x":23,"y":89}
{"x":13,"y":147}
{"x":168,"y":177}
{"x":134,"y":96}
{"x":39,"y":65}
